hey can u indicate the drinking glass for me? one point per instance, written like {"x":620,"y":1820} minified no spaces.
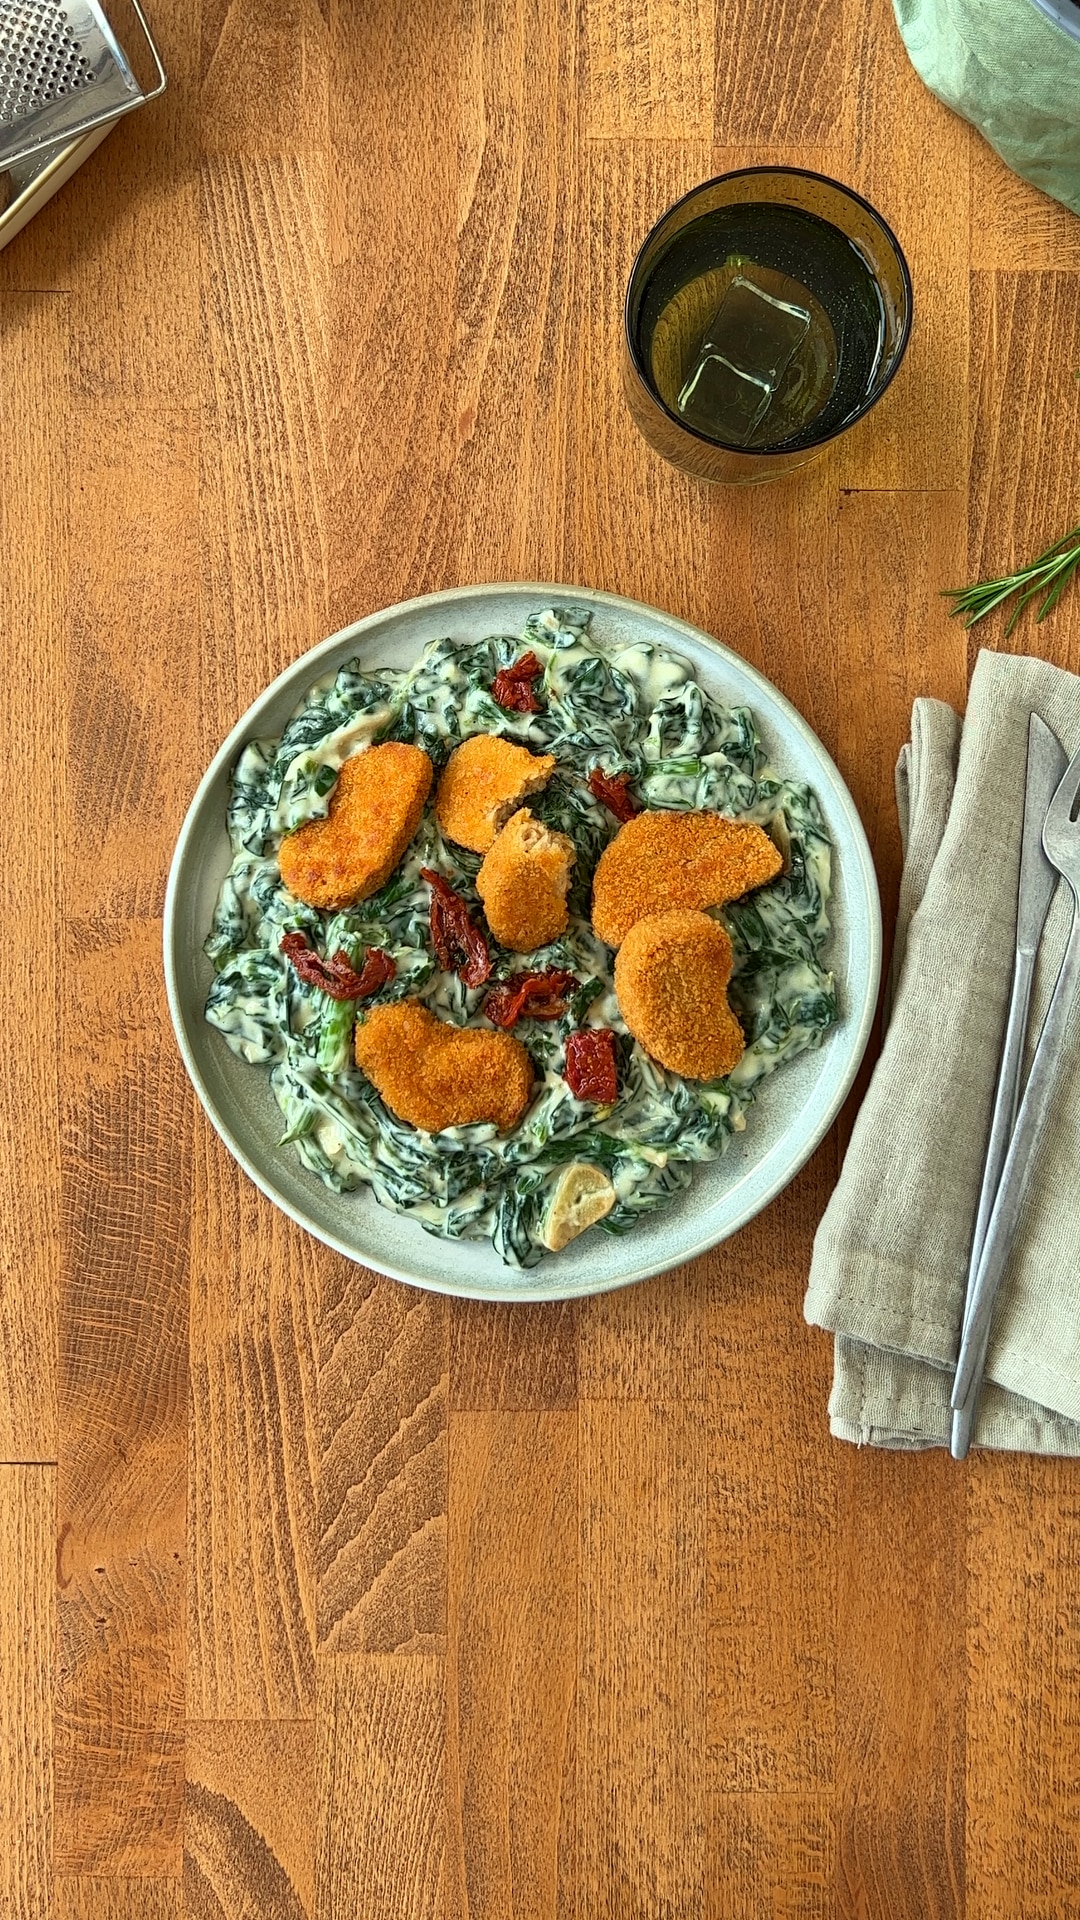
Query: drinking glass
{"x":766,"y":312}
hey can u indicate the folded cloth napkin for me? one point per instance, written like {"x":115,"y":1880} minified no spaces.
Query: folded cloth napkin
{"x":889,"y":1268}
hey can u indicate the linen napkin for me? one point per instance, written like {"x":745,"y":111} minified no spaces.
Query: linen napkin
{"x":889,"y":1268}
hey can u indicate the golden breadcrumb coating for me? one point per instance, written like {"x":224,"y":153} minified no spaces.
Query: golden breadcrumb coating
{"x":523,"y":881}
{"x":658,"y":861}
{"x":483,"y":783}
{"x":435,"y":1075}
{"x":671,"y":976}
{"x":375,"y":809}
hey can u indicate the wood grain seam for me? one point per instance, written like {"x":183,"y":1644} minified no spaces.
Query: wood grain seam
{"x":249,"y":1720}
{"x":643,"y":137}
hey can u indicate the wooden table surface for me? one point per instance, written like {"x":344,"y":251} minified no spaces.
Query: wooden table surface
{"x":321,"y":1596}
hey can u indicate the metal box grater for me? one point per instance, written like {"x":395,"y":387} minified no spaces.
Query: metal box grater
{"x":64,"y":81}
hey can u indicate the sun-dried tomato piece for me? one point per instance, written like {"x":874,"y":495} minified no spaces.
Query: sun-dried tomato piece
{"x":613,"y":792}
{"x":337,"y":976}
{"x":459,"y":945}
{"x":377,"y":969}
{"x":513,"y":686}
{"x":529,"y":996}
{"x":590,"y":1072}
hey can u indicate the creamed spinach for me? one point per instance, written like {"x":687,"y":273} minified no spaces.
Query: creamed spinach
{"x":637,"y":710}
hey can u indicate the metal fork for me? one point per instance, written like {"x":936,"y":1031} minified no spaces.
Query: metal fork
{"x":1046,"y":764}
{"x":1061,"y":844}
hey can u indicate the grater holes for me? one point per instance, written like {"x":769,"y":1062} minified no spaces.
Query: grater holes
{"x":41,"y":60}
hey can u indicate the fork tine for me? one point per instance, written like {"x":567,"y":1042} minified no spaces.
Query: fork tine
{"x":1061,"y":837}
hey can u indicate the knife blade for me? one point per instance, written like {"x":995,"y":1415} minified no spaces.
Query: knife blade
{"x":1046,"y":763}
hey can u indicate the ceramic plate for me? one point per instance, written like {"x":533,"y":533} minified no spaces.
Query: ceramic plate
{"x":794,"y":1108}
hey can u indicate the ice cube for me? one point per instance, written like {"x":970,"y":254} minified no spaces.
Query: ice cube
{"x":747,"y":347}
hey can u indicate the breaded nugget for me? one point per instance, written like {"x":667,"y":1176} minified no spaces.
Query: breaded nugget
{"x":659,"y":861}
{"x":484,"y":781}
{"x":375,"y":809}
{"x":671,"y":976}
{"x":435,"y":1075}
{"x":523,"y":881}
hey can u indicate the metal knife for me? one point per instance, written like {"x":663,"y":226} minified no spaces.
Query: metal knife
{"x":1046,"y":763}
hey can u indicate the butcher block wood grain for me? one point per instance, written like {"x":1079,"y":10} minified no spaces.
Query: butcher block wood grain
{"x":329,"y":1599}
{"x":381,"y":1836}
{"x":103,"y":1897}
{"x":34,"y":519}
{"x":27,"y":1664}
{"x":383,"y":1391}
{"x":511,"y":1674}
{"x":252,"y":1454}
{"x":249,"y":1818}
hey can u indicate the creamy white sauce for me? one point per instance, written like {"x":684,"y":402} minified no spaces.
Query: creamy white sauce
{"x":659,"y":1124}
{"x":332,"y":752}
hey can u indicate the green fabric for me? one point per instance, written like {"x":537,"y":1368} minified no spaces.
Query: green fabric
{"x":1013,"y":73}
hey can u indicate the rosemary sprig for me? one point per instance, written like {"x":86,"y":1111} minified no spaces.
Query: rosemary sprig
{"x":1048,"y":575}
